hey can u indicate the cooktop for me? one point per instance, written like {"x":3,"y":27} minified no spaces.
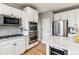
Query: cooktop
{"x":9,"y":36}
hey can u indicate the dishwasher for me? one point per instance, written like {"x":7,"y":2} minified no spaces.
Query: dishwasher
{"x":53,"y":50}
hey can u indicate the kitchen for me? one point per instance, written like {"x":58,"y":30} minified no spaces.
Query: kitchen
{"x":24,"y":27}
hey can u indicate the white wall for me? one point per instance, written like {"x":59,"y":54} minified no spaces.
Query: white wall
{"x":9,"y":30}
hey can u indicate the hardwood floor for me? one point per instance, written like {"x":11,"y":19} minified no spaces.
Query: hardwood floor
{"x":40,"y":49}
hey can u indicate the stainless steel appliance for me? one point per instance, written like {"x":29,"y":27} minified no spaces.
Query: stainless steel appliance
{"x":72,"y":30}
{"x":57,"y":51}
{"x":8,"y":20}
{"x":61,"y":28}
{"x":33,"y":32}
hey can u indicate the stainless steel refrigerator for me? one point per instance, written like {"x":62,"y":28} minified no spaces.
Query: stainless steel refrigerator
{"x":61,"y":28}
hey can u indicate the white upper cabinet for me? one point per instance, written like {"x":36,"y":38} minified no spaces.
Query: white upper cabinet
{"x":11,"y":11}
{"x":25,"y":21}
{"x":57,"y":16}
{"x":77,"y":18}
{"x":61,"y":16}
{"x":31,"y":14}
{"x":71,"y":18}
{"x":17,"y":12}
{"x":6,"y":10}
{"x":35,"y":16}
{"x":64,"y":15}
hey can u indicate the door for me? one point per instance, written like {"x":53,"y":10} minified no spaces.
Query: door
{"x":8,"y":49}
{"x":46,"y":28}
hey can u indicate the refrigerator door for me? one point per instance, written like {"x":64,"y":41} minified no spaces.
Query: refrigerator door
{"x":56,"y":28}
{"x":63,"y":28}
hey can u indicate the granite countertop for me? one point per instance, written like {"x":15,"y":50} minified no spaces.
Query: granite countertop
{"x":9,"y":39}
{"x":10,"y":36}
{"x":63,"y":42}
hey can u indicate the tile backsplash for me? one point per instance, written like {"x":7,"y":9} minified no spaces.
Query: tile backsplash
{"x":9,"y":30}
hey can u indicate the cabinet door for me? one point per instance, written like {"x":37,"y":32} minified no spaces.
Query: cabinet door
{"x":57,"y":17}
{"x":8,"y":49}
{"x":77,"y":18}
{"x":31,"y":14}
{"x":25,"y":24}
{"x":71,"y":18}
{"x":6,"y":10}
{"x":64,"y":16}
{"x":16,"y":12}
{"x":25,"y":21}
{"x":20,"y":46}
{"x":35,"y":15}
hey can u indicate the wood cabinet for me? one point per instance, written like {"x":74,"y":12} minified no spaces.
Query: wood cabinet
{"x":13,"y":47}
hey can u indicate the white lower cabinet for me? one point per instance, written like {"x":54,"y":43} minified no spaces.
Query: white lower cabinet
{"x":19,"y":47}
{"x":14,"y":47}
{"x":7,"y":49}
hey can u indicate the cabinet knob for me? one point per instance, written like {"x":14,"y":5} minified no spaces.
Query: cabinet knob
{"x":14,"y":44}
{"x":11,"y":14}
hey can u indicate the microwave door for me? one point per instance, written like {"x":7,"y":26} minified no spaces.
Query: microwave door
{"x":11,"y":21}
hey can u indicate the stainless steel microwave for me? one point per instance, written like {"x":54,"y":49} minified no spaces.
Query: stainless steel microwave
{"x":7,"y":20}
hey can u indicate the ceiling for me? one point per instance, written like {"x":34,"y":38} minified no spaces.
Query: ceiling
{"x":42,"y":7}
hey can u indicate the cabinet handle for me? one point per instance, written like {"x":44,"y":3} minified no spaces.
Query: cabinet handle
{"x":14,"y":44}
{"x":11,"y":14}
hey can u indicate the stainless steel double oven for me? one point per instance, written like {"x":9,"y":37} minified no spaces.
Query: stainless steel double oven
{"x":33,"y":32}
